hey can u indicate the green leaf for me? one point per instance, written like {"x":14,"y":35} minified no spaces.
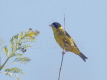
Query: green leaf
{"x":12,"y":45}
{"x":22,"y":60}
{"x":16,"y":54}
{"x":22,"y":35}
{"x":6,"y":50}
{"x":14,"y":70}
{"x":16,"y":36}
{"x":11,"y":71}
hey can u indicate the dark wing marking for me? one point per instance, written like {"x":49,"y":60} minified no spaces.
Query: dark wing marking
{"x":76,"y":45}
{"x":70,"y":37}
{"x":67,"y":34}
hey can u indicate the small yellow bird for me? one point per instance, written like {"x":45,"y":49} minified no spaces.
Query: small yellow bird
{"x":65,"y":41}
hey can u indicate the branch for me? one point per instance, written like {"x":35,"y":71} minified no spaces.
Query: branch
{"x":4,"y":63}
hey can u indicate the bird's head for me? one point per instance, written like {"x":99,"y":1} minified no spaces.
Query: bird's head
{"x":56,"y":26}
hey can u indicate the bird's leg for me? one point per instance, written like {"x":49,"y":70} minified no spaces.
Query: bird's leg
{"x":65,"y":42}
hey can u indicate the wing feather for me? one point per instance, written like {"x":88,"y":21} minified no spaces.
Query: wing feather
{"x":71,"y":39}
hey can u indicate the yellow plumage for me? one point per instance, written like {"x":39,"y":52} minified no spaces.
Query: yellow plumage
{"x":65,"y":41}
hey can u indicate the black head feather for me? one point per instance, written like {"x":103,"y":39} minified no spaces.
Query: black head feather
{"x":56,"y":25}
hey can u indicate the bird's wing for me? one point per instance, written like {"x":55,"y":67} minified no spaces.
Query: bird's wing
{"x":71,"y":40}
{"x":67,"y":34}
{"x":67,"y":38}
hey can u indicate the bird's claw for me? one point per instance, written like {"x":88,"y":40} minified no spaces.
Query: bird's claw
{"x":63,"y":52}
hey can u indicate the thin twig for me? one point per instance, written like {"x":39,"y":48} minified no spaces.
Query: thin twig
{"x":62,"y":53}
{"x":60,"y":67}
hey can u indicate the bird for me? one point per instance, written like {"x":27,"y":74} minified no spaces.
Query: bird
{"x":65,"y":41}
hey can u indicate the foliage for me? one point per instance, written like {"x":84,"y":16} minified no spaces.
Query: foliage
{"x":22,"y":60}
{"x":18,"y":46}
{"x":14,"y":70}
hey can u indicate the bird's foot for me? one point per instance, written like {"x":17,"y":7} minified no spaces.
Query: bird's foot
{"x":63,"y":52}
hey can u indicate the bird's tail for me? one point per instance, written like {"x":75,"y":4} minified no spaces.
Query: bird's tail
{"x":83,"y":56}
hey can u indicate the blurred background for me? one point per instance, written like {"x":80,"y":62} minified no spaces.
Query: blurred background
{"x":86,"y":22}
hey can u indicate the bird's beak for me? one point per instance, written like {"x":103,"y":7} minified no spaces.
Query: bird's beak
{"x":51,"y":25}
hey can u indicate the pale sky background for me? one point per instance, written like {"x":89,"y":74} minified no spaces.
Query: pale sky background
{"x":86,"y":22}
